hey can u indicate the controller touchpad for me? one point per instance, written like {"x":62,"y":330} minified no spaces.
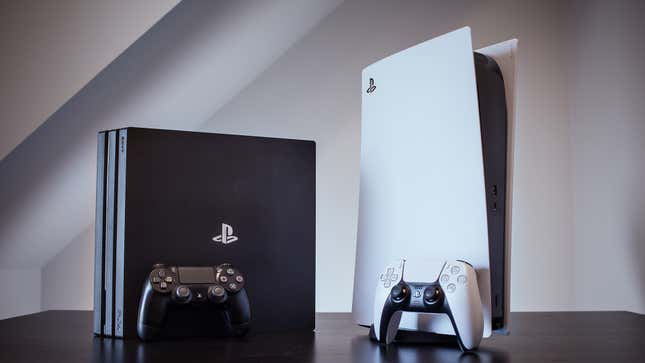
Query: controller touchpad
{"x":196,"y":275}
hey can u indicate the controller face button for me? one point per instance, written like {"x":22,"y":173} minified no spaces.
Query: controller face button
{"x":461,"y":279}
{"x":230,"y":271}
{"x":455,"y":270}
{"x":239,"y":278}
{"x":445,"y":278}
{"x":223,"y":279}
{"x":232,"y":286}
{"x":451,"y":288}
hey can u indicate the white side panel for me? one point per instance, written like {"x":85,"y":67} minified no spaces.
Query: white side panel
{"x":422,"y":179}
{"x":505,"y":54}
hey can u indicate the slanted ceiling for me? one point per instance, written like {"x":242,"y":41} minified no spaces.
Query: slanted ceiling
{"x":51,"y":49}
{"x":177,"y":75}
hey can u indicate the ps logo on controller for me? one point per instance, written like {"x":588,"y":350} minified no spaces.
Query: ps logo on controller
{"x":227,"y":235}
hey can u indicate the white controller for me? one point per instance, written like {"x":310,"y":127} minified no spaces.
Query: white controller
{"x":453,"y":291}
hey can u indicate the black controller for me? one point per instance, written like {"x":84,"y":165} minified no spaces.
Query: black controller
{"x":221,"y":287}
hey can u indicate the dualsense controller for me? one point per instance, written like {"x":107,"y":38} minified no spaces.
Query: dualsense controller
{"x":452,"y":291}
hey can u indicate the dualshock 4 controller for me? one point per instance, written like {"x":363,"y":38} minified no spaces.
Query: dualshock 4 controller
{"x":221,"y":287}
{"x":453,"y":291}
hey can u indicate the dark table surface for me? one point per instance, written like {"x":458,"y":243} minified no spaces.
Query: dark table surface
{"x":66,"y":336}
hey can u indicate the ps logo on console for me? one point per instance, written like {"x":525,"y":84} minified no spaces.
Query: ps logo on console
{"x":372,"y":87}
{"x":227,"y":235}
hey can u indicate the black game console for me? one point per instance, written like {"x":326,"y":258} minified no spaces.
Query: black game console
{"x":197,"y":199}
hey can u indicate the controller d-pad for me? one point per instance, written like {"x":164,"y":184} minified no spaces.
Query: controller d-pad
{"x":168,"y":279}
{"x":389,"y":277}
{"x":163,"y":285}
{"x":156,"y":279}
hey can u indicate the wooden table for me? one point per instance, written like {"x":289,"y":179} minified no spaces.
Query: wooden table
{"x":66,"y":336}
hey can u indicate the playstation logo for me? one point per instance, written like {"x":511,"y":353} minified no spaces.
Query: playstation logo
{"x":372,"y":87}
{"x":227,"y":235}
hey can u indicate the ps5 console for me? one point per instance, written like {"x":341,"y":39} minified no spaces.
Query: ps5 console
{"x":436,"y":166}
{"x":198,"y":199}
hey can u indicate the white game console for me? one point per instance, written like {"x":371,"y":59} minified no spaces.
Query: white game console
{"x":427,"y":188}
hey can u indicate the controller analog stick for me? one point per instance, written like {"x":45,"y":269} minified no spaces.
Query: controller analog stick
{"x":183,"y":294}
{"x":431,"y":294}
{"x":399,"y":292}
{"x":217,"y":294}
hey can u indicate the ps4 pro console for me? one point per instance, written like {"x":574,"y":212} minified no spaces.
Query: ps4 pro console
{"x":436,"y":167}
{"x":198,"y":200}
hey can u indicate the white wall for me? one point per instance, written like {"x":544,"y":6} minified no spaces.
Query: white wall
{"x":50,"y":49}
{"x":608,"y":153}
{"x":20,"y":292}
{"x":567,"y":122}
{"x":69,"y":273}
{"x":176,"y":75}
{"x":313,"y":91}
